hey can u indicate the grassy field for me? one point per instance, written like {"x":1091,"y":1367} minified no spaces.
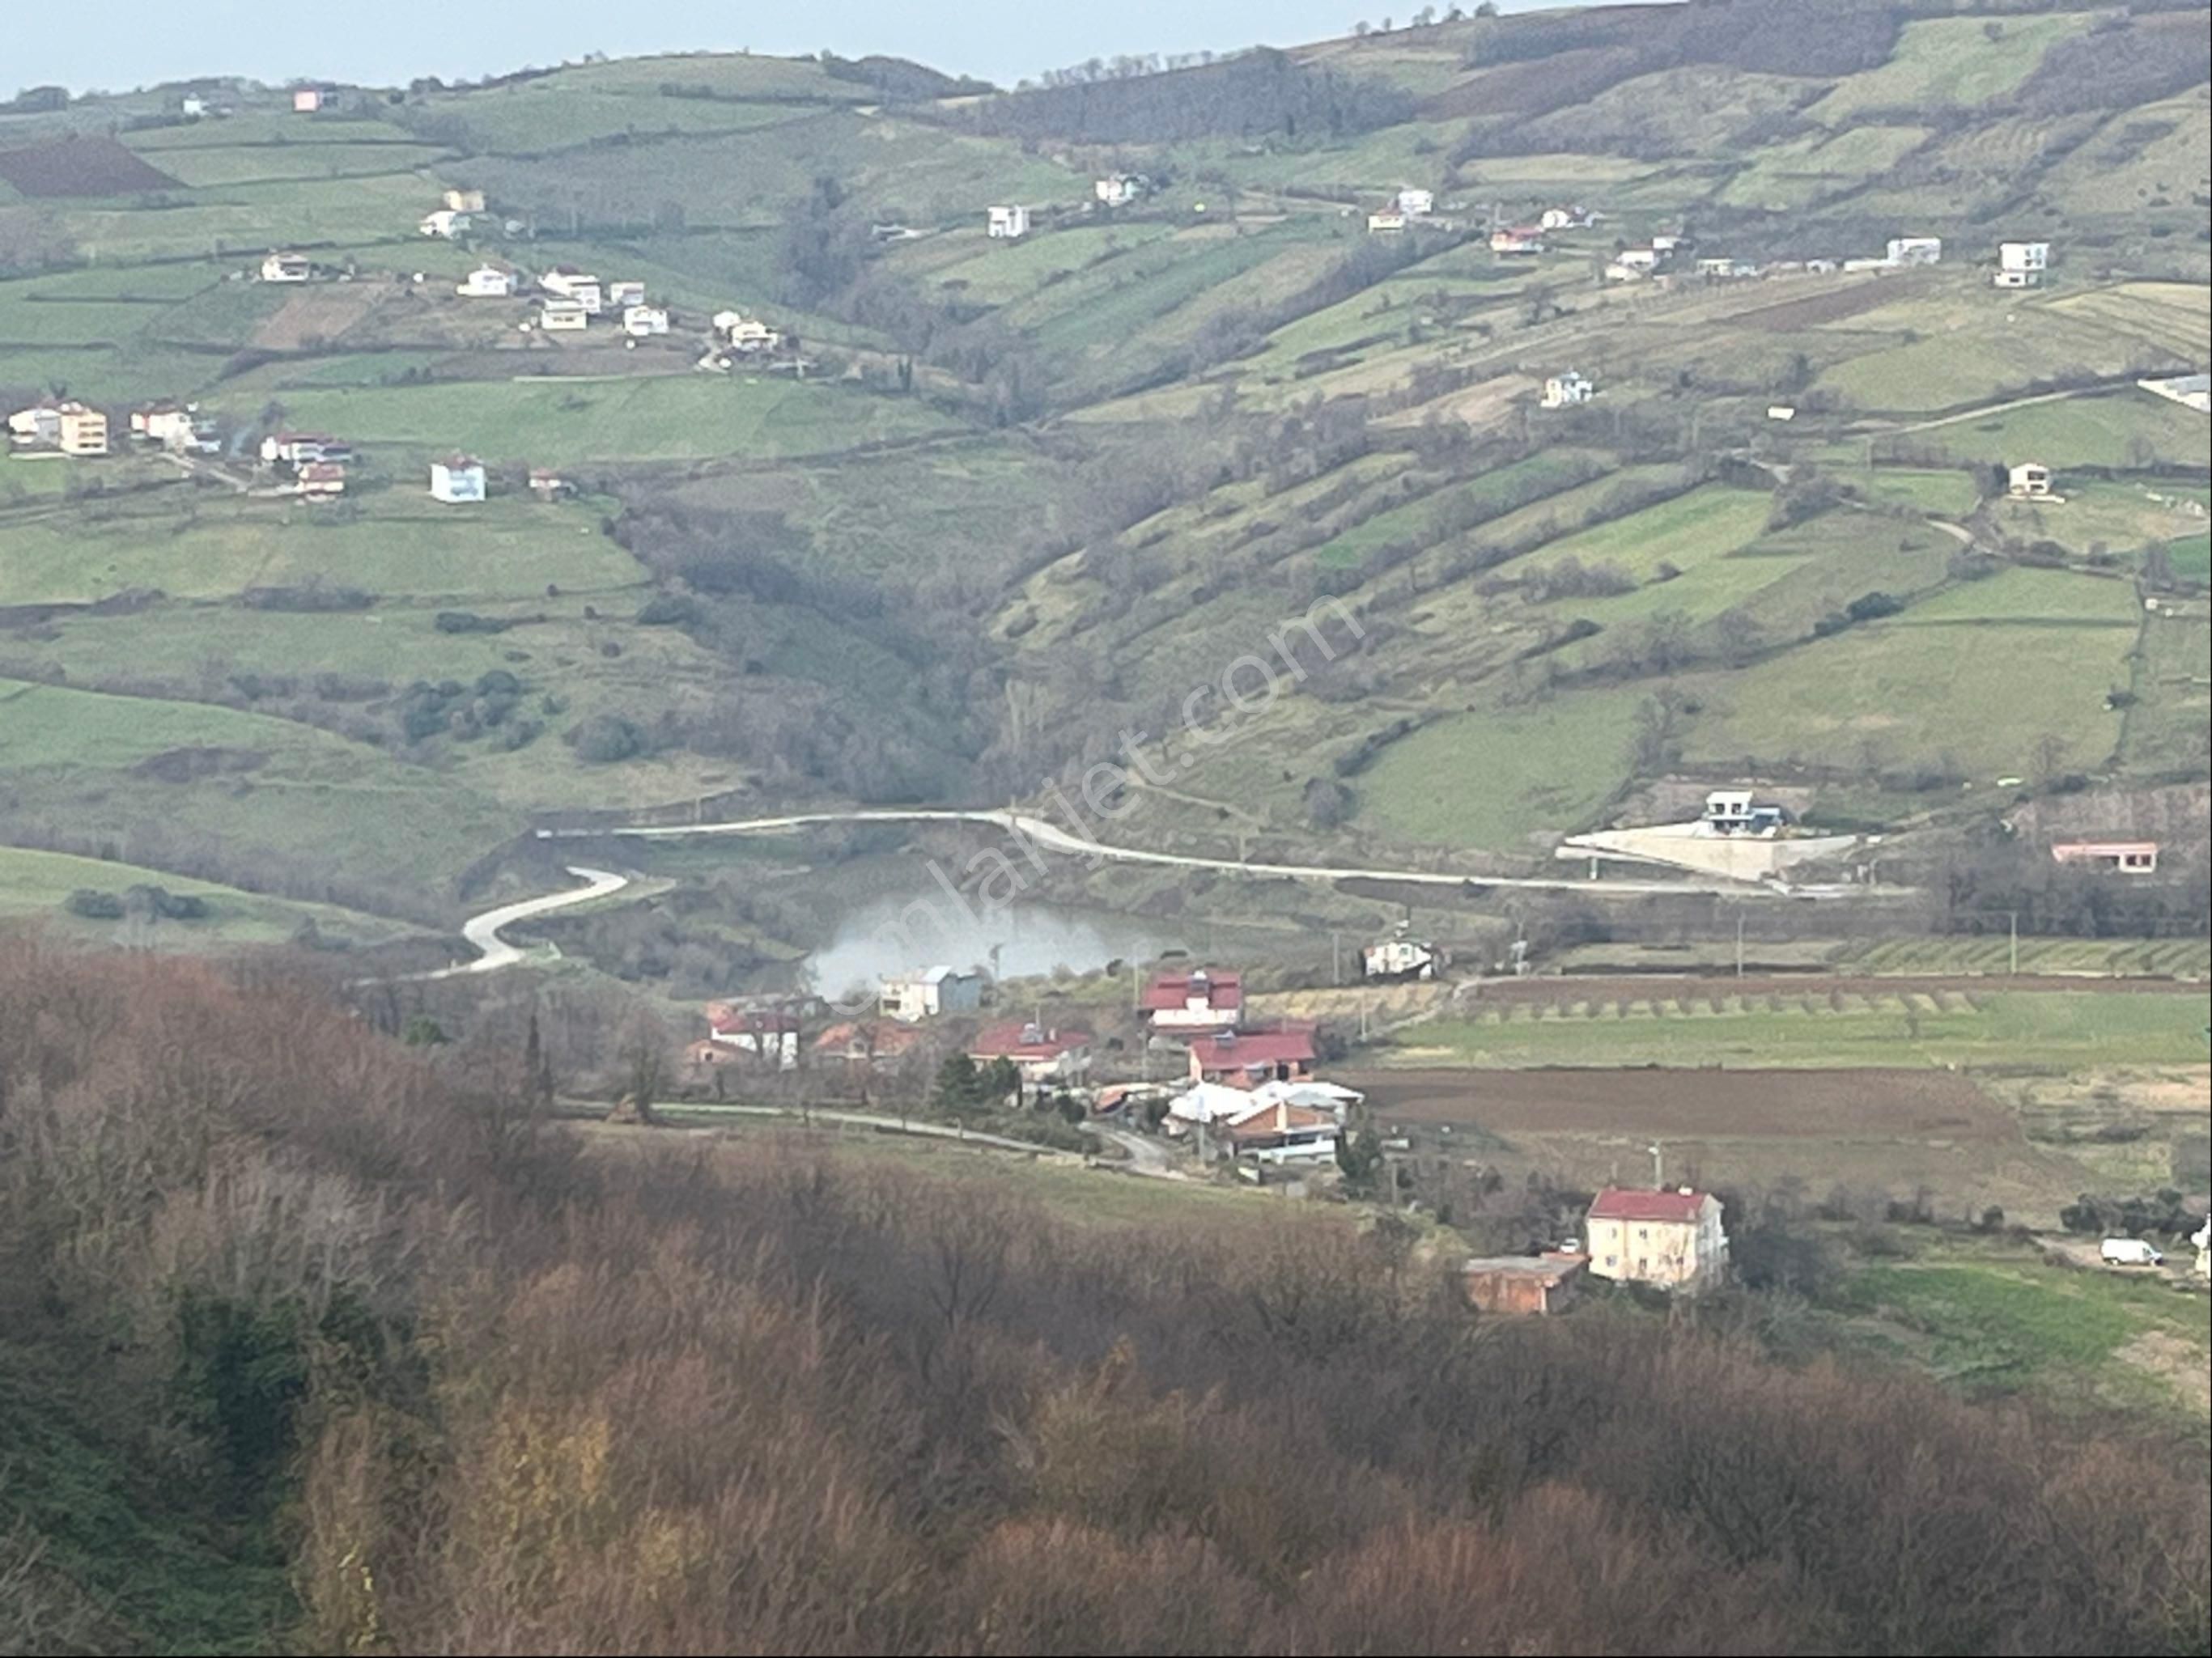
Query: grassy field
{"x":2121,"y":429}
{"x":1495,"y":780}
{"x":1887,"y":690}
{"x":1994,"y":1322}
{"x":1823,"y":1030}
{"x":33,"y":886}
{"x":1949,"y":61}
{"x":552,"y":422}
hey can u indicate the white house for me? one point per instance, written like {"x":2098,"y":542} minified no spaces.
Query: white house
{"x":2201,"y":1237}
{"x":2021,"y":264}
{"x":1916,"y":250}
{"x":924,"y":995}
{"x":81,"y":431}
{"x":568,"y":283}
{"x":625,"y":293}
{"x":465,"y":201}
{"x":308,"y":101}
{"x":286,"y":268}
{"x":1620,"y":271}
{"x":1784,"y":412}
{"x":1385,"y":223}
{"x":176,"y":426}
{"x":40,"y":425}
{"x":564,"y":316}
{"x":446,"y":223}
{"x":1563,"y":218}
{"x":457,"y":478}
{"x":2029,"y":481}
{"x":1416,"y":203}
{"x":746,"y":334}
{"x":1671,"y":1239}
{"x":1006,"y":222}
{"x":1639,"y":258}
{"x":1120,"y":189}
{"x":1399,"y":958}
{"x":1561,"y":391}
{"x":767,"y":1033}
{"x":1195,"y":1000}
{"x":486,"y":282}
{"x":191,"y":107}
{"x":641,"y":320}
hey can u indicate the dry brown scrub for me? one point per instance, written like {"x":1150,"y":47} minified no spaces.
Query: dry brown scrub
{"x":704,"y":1402}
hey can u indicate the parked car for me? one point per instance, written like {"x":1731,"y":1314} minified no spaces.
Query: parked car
{"x":2129,"y":1252}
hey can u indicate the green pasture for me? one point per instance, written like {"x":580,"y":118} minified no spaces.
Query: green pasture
{"x":2059,"y":1030}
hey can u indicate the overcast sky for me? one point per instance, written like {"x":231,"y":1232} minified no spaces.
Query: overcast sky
{"x":391,"y":41}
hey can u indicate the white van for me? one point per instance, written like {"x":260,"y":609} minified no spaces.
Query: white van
{"x":2129,"y":1252}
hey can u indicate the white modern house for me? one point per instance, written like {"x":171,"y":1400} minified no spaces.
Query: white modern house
{"x":1916,"y":250}
{"x":445,"y":223}
{"x":1004,"y":223}
{"x":746,"y":334}
{"x":565,"y":281}
{"x":640,"y":321}
{"x":2029,"y":481}
{"x":465,"y":201}
{"x":1416,"y":203}
{"x":1562,"y":391}
{"x":457,"y":478}
{"x":558,"y":316}
{"x":2021,"y":264}
{"x":624,"y":293}
{"x":912,"y":997}
{"x":286,"y":267}
{"x":1120,"y":189}
{"x":1384,"y":223}
{"x":486,"y":282}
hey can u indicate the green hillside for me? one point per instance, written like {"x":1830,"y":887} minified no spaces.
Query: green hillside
{"x":995,"y":502}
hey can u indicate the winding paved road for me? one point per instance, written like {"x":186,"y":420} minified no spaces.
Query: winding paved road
{"x":1052,"y":838}
{"x":494,"y":952}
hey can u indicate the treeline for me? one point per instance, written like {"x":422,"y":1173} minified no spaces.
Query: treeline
{"x":1254,"y":94}
{"x":435,"y":1380}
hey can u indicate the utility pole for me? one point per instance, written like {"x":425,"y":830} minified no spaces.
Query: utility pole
{"x":1739,"y":943}
{"x":2012,"y":969}
{"x":1658,"y":1169}
{"x":1335,"y":961}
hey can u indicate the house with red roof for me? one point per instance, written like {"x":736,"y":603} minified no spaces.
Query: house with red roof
{"x":766,"y":1032}
{"x":880,"y":1043}
{"x":1672,"y":1239}
{"x":1045,"y":1057}
{"x":1282,"y":1132}
{"x":1176,"y":1003}
{"x":1245,"y":1058}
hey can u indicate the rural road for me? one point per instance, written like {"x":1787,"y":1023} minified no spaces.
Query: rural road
{"x":1987,"y":408}
{"x":1052,"y":838}
{"x":494,"y":952}
{"x":869,"y":1119}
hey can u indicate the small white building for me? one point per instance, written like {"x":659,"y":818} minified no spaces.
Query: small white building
{"x":38,"y":426}
{"x":446,"y":223}
{"x":1006,"y":222}
{"x":191,"y":107}
{"x":286,"y":267}
{"x":464,"y":201}
{"x":564,"y":316}
{"x":1783,"y":411}
{"x":1416,"y":203}
{"x":2029,"y":481}
{"x":1563,"y":218}
{"x":1620,"y":270}
{"x":486,"y":282}
{"x":310,"y":100}
{"x":1564,"y":390}
{"x":1399,"y":958}
{"x":746,"y":334}
{"x":1916,"y":250}
{"x":639,"y":321}
{"x":457,"y":478}
{"x":1673,"y":1240}
{"x":565,"y":281}
{"x":625,"y":293}
{"x":911,"y":997}
{"x":2021,"y":264}
{"x":1386,"y":223}
{"x":1120,"y":189}
{"x":174,"y":426}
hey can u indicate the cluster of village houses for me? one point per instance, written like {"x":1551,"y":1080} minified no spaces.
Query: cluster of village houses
{"x":1250,"y":1095}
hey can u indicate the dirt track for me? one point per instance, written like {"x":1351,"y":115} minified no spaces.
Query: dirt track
{"x":1686,"y":1104}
